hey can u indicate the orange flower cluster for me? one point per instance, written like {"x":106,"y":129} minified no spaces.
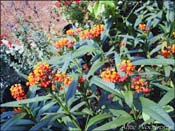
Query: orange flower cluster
{"x":166,"y":51}
{"x":70,"y":32}
{"x":64,"y":42}
{"x":142,"y":27}
{"x":62,"y":77}
{"x":111,"y":75}
{"x":126,"y":66}
{"x":41,"y":75}
{"x":139,"y":85}
{"x":73,"y":32}
{"x":18,"y":92}
{"x":95,"y":32}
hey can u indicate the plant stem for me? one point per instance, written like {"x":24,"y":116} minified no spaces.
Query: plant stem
{"x":66,"y":111}
{"x":29,"y":112}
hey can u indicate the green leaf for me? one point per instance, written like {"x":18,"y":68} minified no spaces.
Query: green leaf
{"x":96,"y":119}
{"x":118,"y":61}
{"x":26,"y":101}
{"x":110,"y":87}
{"x":72,"y":89}
{"x":169,"y":96}
{"x":45,"y":108}
{"x":39,"y":125}
{"x":66,"y":62}
{"x":167,"y":70}
{"x":76,"y":107}
{"x":129,"y":98}
{"x":12,"y":121}
{"x":119,"y":113}
{"x":161,"y":86}
{"x":155,"y":38}
{"x":97,"y":64}
{"x":121,"y":120}
{"x":145,"y":116}
{"x":24,"y":122}
{"x":155,"y":49}
{"x":53,"y":116}
{"x":83,"y":50}
{"x":154,"y":62}
{"x":56,"y":60}
{"x":156,"y":112}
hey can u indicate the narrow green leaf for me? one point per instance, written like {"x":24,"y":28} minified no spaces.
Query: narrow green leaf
{"x":155,"y":49}
{"x":97,"y":64}
{"x":24,"y":122}
{"x":161,"y":86}
{"x":167,"y":70}
{"x":119,"y":113}
{"x":129,"y":98}
{"x":169,"y":96}
{"x":83,"y":50}
{"x":156,"y":112}
{"x":96,"y":119}
{"x":154,"y":62}
{"x":45,"y":108}
{"x":121,"y":120}
{"x":39,"y":125}
{"x":110,"y":87}
{"x":72,"y":89}
{"x":12,"y":121}
{"x":53,"y":116}
{"x":66,"y":62}
{"x":76,"y":107}
{"x":26,"y":101}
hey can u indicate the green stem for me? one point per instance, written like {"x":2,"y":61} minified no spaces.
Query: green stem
{"x":29,"y":112}
{"x":66,"y":111}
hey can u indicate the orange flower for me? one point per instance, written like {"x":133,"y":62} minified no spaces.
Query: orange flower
{"x":139,"y":85}
{"x":64,"y":42}
{"x":62,"y":77}
{"x":41,"y":75}
{"x":18,"y":92}
{"x":127,"y":67}
{"x":142,"y":27}
{"x":59,"y":77}
{"x":110,"y":75}
{"x":70,"y":32}
{"x":166,"y":52}
{"x":95,"y":32}
{"x":67,"y":81}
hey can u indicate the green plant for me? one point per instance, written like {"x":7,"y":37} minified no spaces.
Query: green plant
{"x":111,"y":77}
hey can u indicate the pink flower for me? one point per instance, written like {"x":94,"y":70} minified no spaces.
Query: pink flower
{"x":58,"y":3}
{"x":4,"y":35}
{"x":67,"y":3}
{"x":70,"y":44}
{"x":9,"y":45}
{"x":122,"y":78}
{"x":77,"y":1}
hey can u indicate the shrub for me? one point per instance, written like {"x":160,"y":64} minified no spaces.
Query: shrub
{"x":113,"y":75}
